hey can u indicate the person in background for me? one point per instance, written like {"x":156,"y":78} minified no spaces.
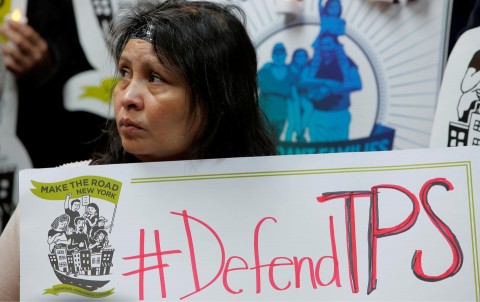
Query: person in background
{"x":42,"y":55}
{"x":187,"y":90}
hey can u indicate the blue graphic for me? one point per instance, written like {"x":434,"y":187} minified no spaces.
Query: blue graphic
{"x":308,"y":99}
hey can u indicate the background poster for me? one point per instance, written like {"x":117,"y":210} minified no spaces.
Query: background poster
{"x":457,"y":119}
{"x":398,"y":52}
{"x":362,"y":226}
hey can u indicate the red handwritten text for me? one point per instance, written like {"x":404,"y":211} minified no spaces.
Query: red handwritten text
{"x":234,"y":264}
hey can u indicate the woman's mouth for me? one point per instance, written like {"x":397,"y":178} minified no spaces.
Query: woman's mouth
{"x":128,"y":125}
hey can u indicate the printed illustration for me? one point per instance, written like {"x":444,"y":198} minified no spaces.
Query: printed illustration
{"x":308,"y":99}
{"x":457,"y":118}
{"x":369,"y":72}
{"x":78,"y":245}
{"x":466,"y":130}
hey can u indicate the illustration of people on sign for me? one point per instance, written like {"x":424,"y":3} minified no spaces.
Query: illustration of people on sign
{"x":57,"y":236}
{"x":79,"y":253}
{"x":79,"y":239}
{"x":91,"y":218}
{"x":310,"y":102}
{"x":101,"y":225}
{"x":71,"y":209}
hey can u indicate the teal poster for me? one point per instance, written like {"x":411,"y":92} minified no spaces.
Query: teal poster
{"x":348,"y":76}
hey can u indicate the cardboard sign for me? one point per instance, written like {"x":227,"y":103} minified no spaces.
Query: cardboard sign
{"x":369,"y":226}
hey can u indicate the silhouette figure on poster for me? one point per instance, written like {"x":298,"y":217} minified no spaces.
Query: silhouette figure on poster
{"x":329,"y":78}
{"x":295,"y":131}
{"x":274,"y":86}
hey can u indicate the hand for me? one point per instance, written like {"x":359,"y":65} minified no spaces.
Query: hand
{"x":26,"y":54}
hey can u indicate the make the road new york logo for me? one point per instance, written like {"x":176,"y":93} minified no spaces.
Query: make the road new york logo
{"x":77,"y":240}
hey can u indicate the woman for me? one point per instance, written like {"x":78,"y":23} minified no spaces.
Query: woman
{"x":187,"y":90}
{"x":91,"y":218}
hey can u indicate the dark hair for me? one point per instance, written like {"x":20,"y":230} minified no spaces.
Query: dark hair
{"x":77,"y":219}
{"x":207,"y":44}
{"x":95,"y":206}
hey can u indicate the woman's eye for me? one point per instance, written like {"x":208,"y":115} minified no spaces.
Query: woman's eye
{"x":155,"y":78}
{"x":124,"y":73}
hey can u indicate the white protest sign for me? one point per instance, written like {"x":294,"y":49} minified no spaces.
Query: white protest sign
{"x":369,"y":226}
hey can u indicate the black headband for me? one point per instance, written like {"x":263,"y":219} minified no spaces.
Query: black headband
{"x":144,"y":32}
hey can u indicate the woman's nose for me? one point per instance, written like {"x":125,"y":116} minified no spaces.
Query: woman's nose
{"x":132,"y":96}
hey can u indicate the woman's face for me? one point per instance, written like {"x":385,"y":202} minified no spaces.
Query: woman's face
{"x":91,"y":210}
{"x":151,"y":107}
